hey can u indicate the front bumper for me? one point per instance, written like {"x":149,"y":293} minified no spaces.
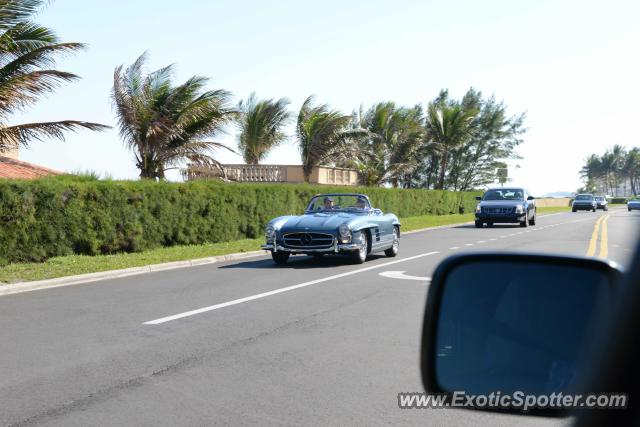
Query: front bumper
{"x":335,"y":248}
{"x":583,"y":207}
{"x":501,"y":218}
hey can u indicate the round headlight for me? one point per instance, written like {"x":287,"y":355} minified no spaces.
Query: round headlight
{"x":478,"y":208}
{"x":344,"y":230}
{"x":270,"y":232}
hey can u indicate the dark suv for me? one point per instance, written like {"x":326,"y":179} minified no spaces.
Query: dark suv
{"x":506,"y":205}
{"x":584,"y":202}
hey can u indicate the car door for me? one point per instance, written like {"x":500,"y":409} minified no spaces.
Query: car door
{"x":382,"y":235}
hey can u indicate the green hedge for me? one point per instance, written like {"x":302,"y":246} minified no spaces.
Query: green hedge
{"x":618,"y":200}
{"x":72,"y":215}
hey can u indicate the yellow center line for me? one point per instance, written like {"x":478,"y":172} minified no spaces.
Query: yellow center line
{"x":594,"y":237}
{"x":604,"y":244}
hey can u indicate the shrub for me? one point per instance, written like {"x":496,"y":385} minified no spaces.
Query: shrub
{"x":618,"y":200}
{"x":59,"y":216}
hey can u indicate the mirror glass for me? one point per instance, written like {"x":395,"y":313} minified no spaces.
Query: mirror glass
{"x":517,"y":326}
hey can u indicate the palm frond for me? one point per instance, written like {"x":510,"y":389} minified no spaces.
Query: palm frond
{"x":21,"y":135}
{"x":260,"y":123}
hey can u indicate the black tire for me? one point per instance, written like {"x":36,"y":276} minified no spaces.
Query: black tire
{"x":360,"y":256}
{"x":594,"y":209}
{"x":524,"y":223}
{"x":478,"y":224}
{"x":573,"y":210}
{"x":629,"y":210}
{"x":532,"y":221}
{"x":280,"y":258}
{"x":393,"y":250}
{"x":605,"y":209}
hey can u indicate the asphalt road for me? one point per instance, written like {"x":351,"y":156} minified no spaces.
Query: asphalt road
{"x":316,"y":342}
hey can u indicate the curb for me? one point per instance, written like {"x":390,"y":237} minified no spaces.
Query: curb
{"x":15,"y":288}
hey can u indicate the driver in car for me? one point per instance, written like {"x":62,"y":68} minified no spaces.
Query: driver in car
{"x":328,"y":203}
{"x":361,"y":203}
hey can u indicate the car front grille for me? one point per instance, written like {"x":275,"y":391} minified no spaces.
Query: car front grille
{"x":497,"y":210}
{"x":308,"y":240}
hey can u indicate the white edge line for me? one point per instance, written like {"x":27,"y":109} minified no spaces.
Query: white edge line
{"x":278,"y":291}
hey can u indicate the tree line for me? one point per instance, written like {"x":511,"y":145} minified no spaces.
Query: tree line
{"x":617,"y":167}
{"x":453,"y":144}
{"x":450,"y":143}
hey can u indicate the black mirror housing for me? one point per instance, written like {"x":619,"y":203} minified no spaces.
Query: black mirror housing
{"x":530,"y":198}
{"x":498,"y":322}
{"x":478,"y":198}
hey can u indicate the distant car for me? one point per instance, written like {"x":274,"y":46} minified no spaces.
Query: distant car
{"x":601,"y":203}
{"x":633,"y":205}
{"x":334,"y":224}
{"x":505,"y":205}
{"x":584,"y":202}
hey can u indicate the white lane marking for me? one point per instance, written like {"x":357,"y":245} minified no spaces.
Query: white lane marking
{"x":481,"y":241}
{"x":453,"y":248}
{"x":468,"y":244}
{"x":279,"y":291}
{"x":401,"y":275}
{"x":493,"y":240}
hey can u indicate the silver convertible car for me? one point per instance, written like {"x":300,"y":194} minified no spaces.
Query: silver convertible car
{"x":334,"y":224}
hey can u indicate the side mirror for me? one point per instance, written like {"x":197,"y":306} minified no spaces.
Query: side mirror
{"x":377,"y":211}
{"x":478,"y":198}
{"x":530,"y":198}
{"x":506,"y":323}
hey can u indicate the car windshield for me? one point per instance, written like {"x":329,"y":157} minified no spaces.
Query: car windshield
{"x":504,"y":194}
{"x":338,"y":203}
{"x":584,"y":197}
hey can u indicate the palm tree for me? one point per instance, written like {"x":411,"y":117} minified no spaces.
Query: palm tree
{"x":618,"y":154}
{"x":448,"y":127}
{"x":593,"y":170}
{"x":165,"y":125}
{"x":27,"y":51}
{"x":631,"y":168}
{"x":261,"y":124}
{"x":608,"y":164}
{"x":323,"y":135}
{"x":396,"y":135}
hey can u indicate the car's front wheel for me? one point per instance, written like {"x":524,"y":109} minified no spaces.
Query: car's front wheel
{"x":393,"y":250}
{"x":532,"y":221}
{"x":478,"y":224}
{"x":359,"y":256}
{"x":524,"y":223}
{"x":280,"y":258}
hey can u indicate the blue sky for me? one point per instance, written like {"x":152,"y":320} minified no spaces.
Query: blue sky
{"x":572,"y":66}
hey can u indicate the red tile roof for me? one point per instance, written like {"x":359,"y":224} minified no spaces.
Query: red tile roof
{"x":17,"y":169}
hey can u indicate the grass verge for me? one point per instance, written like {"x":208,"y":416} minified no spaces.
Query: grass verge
{"x":80,"y":264}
